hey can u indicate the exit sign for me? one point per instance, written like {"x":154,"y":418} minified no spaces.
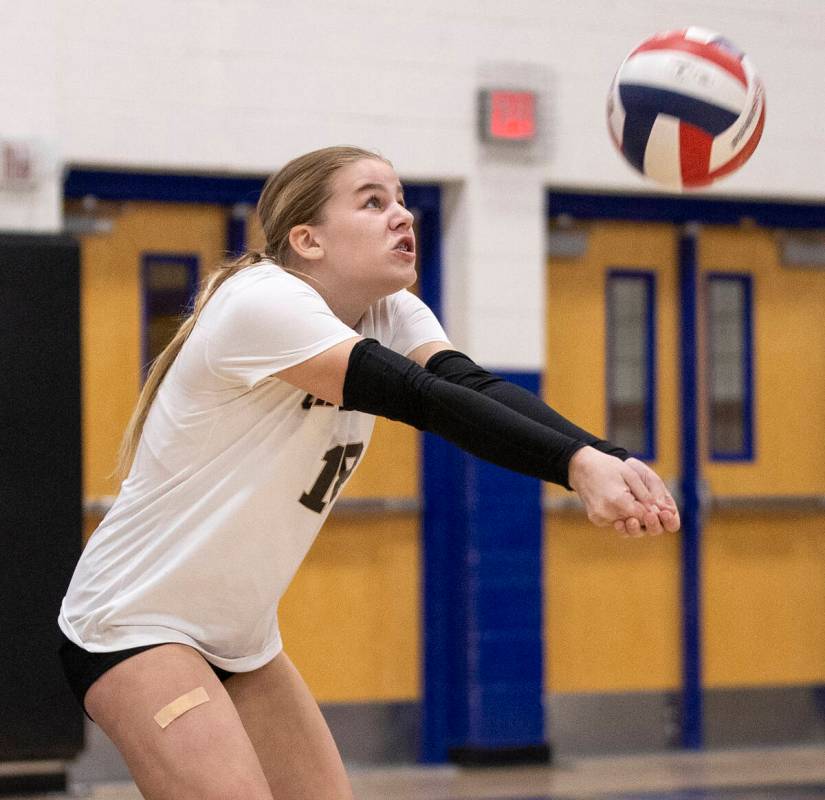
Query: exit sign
{"x":508,"y":115}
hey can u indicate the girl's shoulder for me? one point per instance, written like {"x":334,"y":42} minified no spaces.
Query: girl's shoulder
{"x":266,"y":282}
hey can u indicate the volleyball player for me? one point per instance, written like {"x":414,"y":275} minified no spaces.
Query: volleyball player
{"x":249,"y":424}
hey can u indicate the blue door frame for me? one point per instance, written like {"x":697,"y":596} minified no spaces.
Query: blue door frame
{"x":687,"y":212}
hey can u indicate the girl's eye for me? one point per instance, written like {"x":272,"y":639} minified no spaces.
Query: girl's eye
{"x":374,"y":201}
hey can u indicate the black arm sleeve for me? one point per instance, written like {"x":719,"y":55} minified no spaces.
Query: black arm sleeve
{"x":379,"y":381}
{"x":458,"y":368}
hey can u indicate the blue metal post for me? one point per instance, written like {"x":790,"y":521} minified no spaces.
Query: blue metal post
{"x":691,"y":501}
{"x":236,"y":229}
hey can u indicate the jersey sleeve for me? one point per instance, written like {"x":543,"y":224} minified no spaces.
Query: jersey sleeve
{"x":270,"y":325}
{"x":413,"y":324}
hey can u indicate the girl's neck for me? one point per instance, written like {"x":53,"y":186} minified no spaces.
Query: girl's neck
{"x":348,"y":308}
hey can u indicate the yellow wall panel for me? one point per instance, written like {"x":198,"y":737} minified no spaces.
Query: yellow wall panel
{"x":611,"y":609}
{"x":351,"y":618}
{"x":764,"y":600}
{"x":390,"y":465}
{"x":110,"y":341}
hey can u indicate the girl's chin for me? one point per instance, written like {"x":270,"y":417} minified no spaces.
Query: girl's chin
{"x":412,"y":277}
{"x":403,"y":279}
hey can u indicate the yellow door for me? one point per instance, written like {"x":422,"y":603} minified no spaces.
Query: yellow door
{"x":763,"y":542}
{"x":612,"y":616}
{"x":112,"y":314}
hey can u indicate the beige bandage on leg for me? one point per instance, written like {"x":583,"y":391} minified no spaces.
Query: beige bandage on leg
{"x":184,"y":703}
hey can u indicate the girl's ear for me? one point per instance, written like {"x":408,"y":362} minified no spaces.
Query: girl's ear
{"x":303,"y":242}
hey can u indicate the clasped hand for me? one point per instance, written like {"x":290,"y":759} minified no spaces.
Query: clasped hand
{"x":628,"y":495}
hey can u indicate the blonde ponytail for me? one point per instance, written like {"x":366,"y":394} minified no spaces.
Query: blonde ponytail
{"x":160,"y":366}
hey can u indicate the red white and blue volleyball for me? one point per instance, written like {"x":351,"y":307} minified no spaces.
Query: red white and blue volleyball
{"x":686,"y":108}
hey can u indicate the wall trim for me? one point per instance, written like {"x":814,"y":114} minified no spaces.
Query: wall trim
{"x":683,"y":209}
{"x":581,"y":724}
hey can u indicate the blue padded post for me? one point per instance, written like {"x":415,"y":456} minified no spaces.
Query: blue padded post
{"x":483,"y":697}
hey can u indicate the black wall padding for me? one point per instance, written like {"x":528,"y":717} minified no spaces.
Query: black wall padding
{"x":40,"y":490}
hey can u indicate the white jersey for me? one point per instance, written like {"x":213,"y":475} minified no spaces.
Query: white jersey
{"x":234,"y":474}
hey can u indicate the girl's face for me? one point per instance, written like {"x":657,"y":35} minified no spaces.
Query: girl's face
{"x":367,"y":234}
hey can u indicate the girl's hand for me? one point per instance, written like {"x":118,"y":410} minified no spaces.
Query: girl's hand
{"x":612,"y":492}
{"x":627,"y":495}
{"x":662,"y":499}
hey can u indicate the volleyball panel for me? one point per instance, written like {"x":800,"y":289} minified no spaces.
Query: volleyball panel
{"x":744,"y":154}
{"x":615,"y":115}
{"x":711,"y":52}
{"x":661,"y":161}
{"x":685,"y":75}
{"x":697,"y":34}
{"x":745,"y":134}
{"x":695,"y":147}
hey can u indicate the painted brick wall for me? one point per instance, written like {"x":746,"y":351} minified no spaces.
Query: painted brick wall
{"x":28,"y":108}
{"x":243,"y":86}
{"x":247,"y":84}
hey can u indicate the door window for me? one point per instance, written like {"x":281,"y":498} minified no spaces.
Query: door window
{"x":729,"y":366}
{"x":630,"y":361}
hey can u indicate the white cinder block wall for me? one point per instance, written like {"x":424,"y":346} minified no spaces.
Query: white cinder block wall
{"x":29,"y":100}
{"x":244,"y":85}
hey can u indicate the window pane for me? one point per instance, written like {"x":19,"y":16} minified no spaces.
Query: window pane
{"x":728,"y":298}
{"x":629,"y":345}
{"x":169,"y":285}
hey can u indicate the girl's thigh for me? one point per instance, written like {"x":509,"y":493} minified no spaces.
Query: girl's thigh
{"x":290,"y":735}
{"x":204,"y":753}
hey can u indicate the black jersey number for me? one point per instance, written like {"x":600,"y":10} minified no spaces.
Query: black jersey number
{"x":338,"y":466}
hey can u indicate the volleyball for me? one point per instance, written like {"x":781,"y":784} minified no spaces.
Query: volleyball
{"x":686,"y":108}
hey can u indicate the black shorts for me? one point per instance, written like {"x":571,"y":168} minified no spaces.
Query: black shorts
{"x":83,"y":668}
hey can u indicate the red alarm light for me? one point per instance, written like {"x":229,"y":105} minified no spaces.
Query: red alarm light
{"x":508,"y":116}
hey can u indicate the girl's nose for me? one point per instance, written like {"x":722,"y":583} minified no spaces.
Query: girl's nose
{"x":403,"y":216}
